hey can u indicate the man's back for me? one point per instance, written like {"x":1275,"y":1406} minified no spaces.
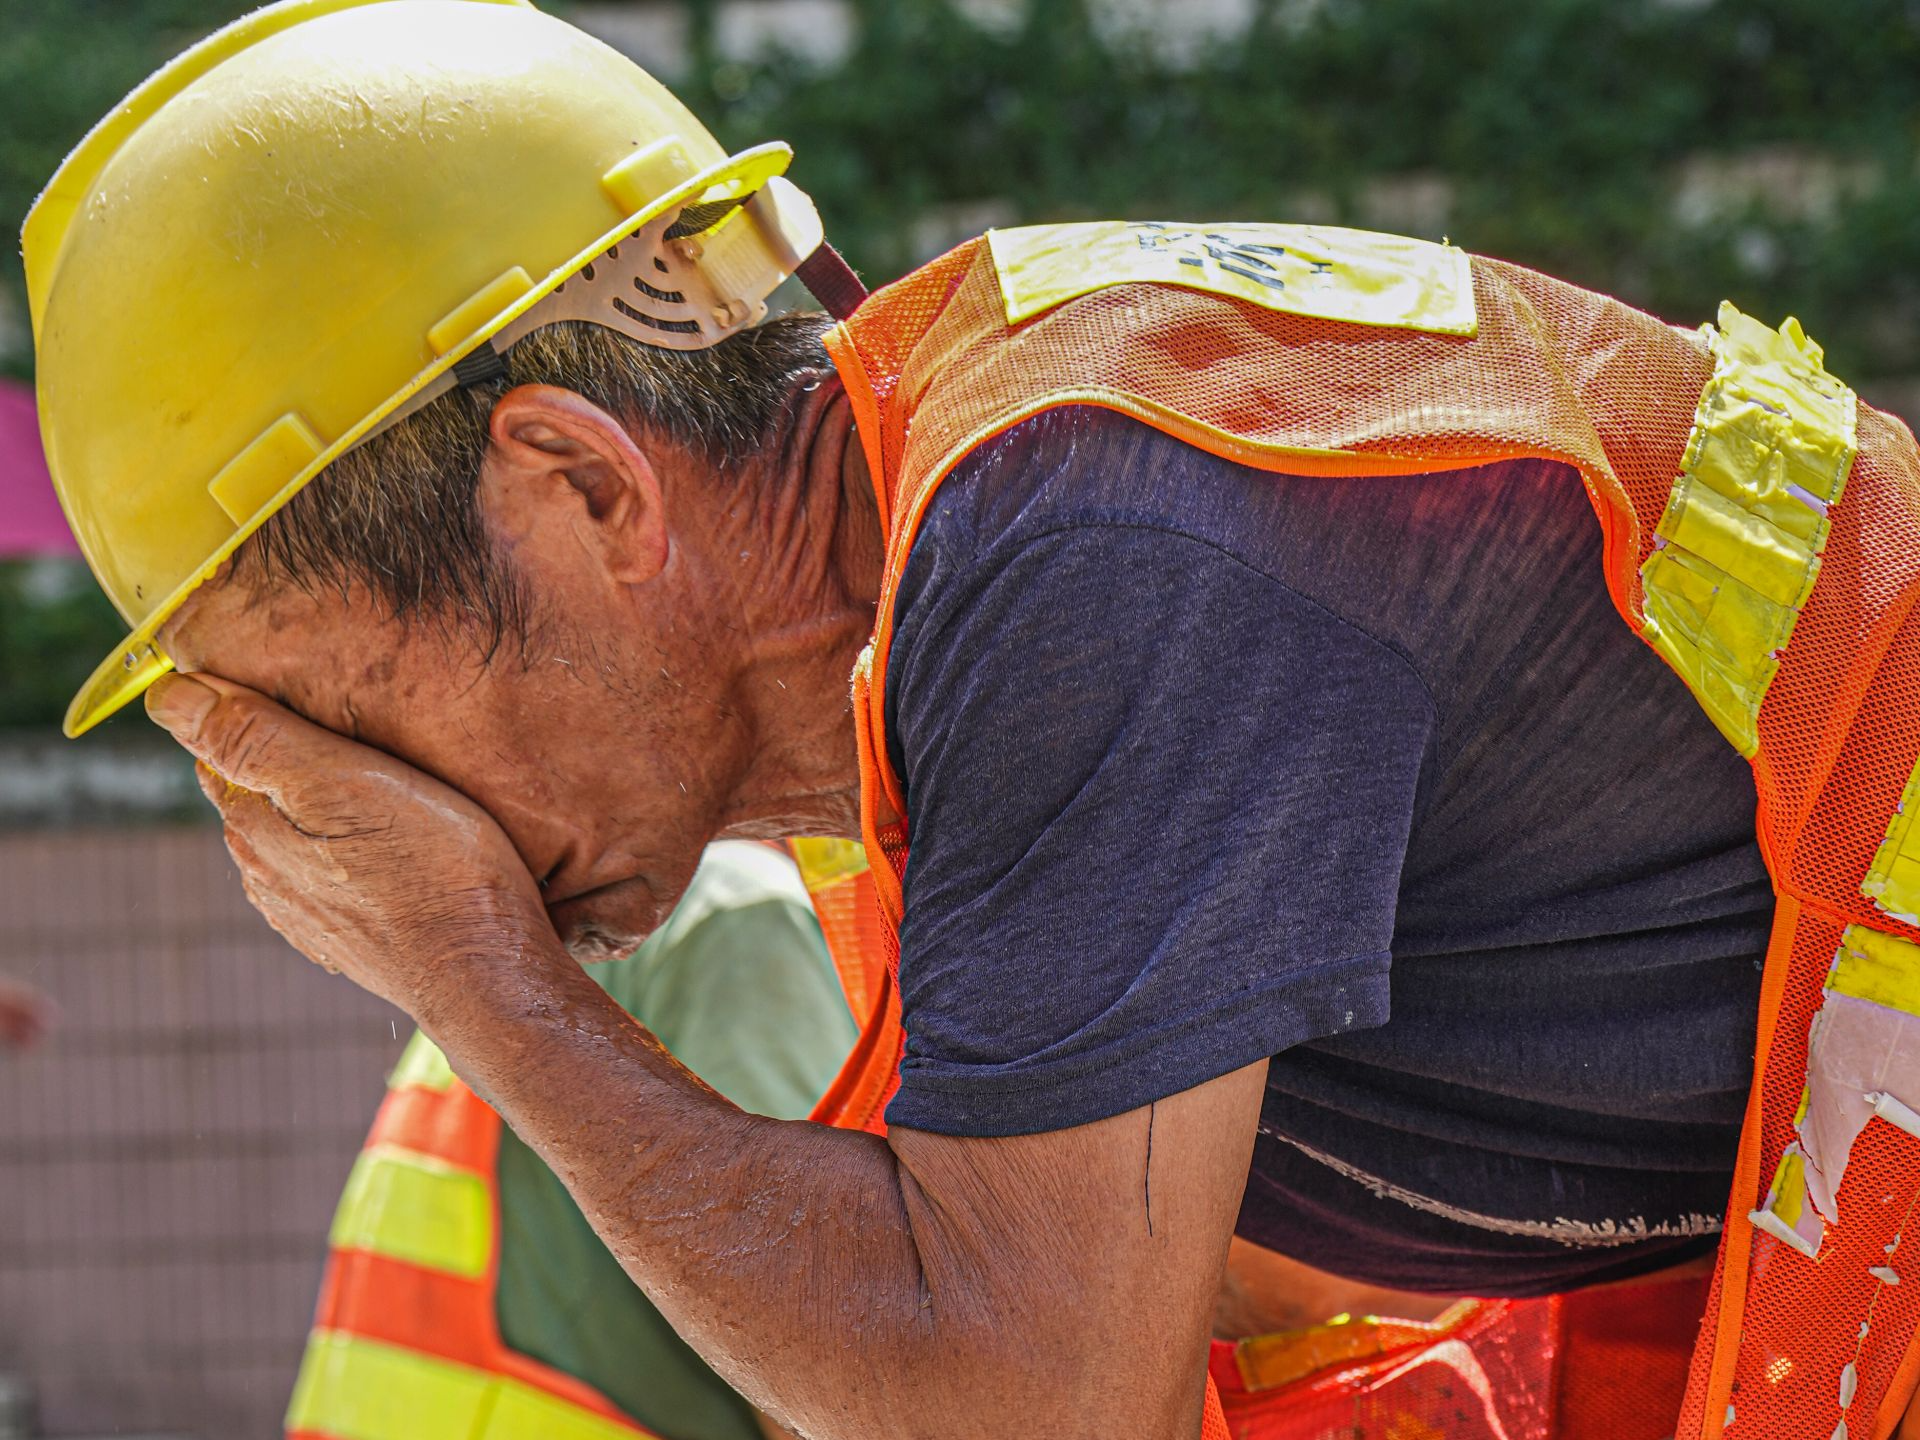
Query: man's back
{"x":1388,"y":717}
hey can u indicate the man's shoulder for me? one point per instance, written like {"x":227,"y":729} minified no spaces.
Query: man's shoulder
{"x":1070,"y":465}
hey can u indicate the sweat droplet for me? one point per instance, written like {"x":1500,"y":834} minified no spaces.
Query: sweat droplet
{"x":1849,"y":1382}
{"x":1884,"y":1274}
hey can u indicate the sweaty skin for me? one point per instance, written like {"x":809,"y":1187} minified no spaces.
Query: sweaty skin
{"x":444,"y":832}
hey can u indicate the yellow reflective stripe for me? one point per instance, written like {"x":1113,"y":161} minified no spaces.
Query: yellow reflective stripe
{"x":822,"y":861}
{"x":1893,"y":880}
{"x":1321,"y":271}
{"x":353,"y":1388}
{"x":415,"y":1208}
{"x":1719,"y":635}
{"x":1739,"y":546}
{"x":422,"y":1065}
{"x":524,"y":1413}
{"x":1882,"y":968}
{"x":1771,"y":560}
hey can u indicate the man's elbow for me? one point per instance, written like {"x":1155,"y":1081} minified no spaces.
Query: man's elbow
{"x":972,"y":1371}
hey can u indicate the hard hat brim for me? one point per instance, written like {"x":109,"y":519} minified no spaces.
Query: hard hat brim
{"x":139,"y":661}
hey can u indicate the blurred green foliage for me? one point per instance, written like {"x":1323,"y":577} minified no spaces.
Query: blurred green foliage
{"x":64,"y":64}
{"x":55,"y":626}
{"x":1673,"y":152}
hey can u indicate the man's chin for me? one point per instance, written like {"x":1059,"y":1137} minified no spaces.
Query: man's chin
{"x":609,"y":924}
{"x":590,"y":945}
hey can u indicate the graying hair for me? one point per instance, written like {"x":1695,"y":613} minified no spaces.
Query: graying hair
{"x":400,"y":514}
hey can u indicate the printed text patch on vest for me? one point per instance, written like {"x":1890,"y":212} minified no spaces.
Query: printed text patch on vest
{"x":1316,"y":270}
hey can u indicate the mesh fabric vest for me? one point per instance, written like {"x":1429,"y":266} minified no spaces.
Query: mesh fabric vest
{"x":1761,"y":531}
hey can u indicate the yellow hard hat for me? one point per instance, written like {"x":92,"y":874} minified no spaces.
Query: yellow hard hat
{"x":301,"y":226}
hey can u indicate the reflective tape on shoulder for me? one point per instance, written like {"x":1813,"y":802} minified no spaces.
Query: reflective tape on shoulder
{"x":412,"y":1207}
{"x":1738,"y":549}
{"x":1324,"y":272}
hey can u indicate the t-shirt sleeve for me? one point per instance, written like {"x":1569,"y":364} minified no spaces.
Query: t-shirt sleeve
{"x":1159,"y":804}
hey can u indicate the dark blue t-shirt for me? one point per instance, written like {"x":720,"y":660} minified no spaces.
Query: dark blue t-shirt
{"x":1206,"y":765}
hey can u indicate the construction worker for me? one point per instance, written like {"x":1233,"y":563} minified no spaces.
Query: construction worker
{"x":509,"y":1279}
{"x":1320,"y":830}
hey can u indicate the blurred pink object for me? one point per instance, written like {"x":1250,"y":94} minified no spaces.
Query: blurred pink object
{"x":30,"y":518}
{"x":25,"y":1015}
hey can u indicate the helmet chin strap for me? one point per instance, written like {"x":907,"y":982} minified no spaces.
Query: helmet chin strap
{"x":831,"y":280}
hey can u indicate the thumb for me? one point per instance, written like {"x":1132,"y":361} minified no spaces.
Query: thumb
{"x":238,"y":733}
{"x":178,"y":703}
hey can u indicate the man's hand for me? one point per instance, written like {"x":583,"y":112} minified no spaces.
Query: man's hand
{"x":369,"y":867}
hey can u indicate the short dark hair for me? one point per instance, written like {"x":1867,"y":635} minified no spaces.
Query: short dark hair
{"x":400,"y":514}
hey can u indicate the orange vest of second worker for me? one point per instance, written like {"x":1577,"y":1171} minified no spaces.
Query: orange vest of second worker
{"x":1761,"y":532}
{"x":406,"y":1342}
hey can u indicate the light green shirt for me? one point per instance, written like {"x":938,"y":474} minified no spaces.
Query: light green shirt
{"x":739,"y":986}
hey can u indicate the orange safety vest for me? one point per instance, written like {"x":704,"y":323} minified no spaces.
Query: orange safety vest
{"x":406,"y":1341}
{"x":1761,"y":531}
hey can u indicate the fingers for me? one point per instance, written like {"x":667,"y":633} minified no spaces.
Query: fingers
{"x":246,"y":860}
{"x":225,"y":795}
{"x":263,"y":886}
{"x":242,"y":735}
{"x":242,"y":811}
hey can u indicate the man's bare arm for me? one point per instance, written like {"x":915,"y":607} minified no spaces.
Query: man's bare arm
{"x":851,"y":1287}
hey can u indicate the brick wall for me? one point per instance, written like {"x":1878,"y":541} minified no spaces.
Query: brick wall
{"x":170,"y":1155}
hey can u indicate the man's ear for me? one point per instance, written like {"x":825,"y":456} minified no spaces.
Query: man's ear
{"x":559,"y":464}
